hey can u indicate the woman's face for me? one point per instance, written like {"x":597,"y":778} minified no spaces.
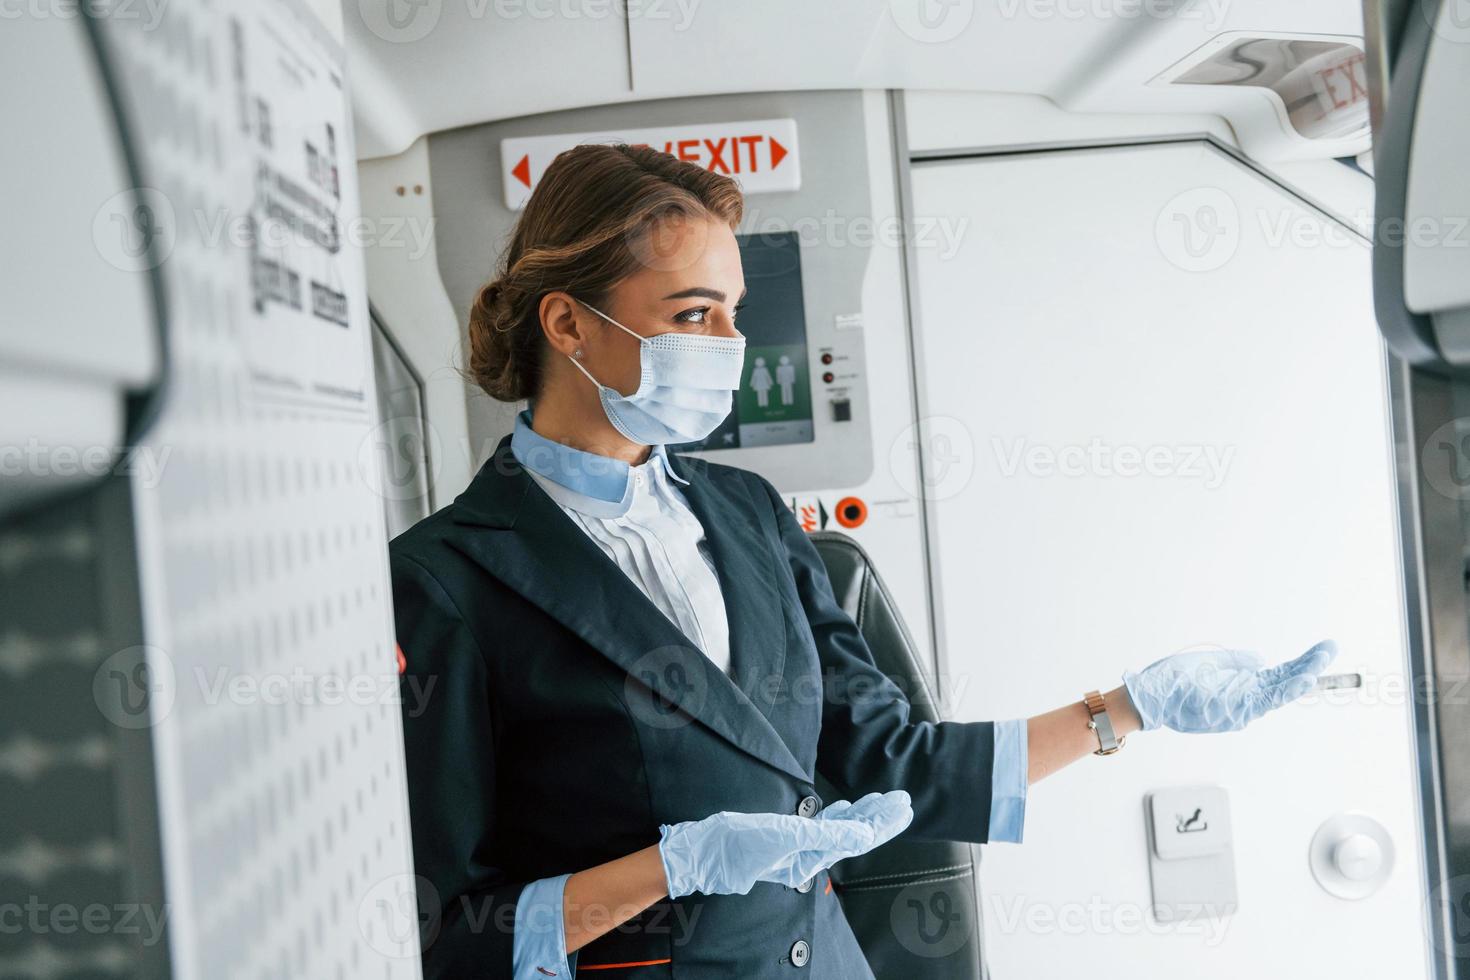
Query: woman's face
{"x":689,"y":280}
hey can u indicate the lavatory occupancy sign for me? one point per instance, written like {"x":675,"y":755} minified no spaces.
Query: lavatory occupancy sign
{"x":761,"y":154}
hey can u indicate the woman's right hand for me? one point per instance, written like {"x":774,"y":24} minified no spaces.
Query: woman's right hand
{"x":1220,"y":690}
{"x":727,"y":853}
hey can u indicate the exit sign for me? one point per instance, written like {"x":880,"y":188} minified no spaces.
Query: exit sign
{"x":761,"y":155}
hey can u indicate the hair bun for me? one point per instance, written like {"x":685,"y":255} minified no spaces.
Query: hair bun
{"x":496,"y":362}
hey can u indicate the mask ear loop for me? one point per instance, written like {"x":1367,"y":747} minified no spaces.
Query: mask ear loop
{"x":635,"y":335}
{"x":578,"y":364}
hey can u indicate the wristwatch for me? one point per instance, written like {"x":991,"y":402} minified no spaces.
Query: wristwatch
{"x":1099,"y":722}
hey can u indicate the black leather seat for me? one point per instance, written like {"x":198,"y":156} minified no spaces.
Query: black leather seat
{"x":912,"y":904}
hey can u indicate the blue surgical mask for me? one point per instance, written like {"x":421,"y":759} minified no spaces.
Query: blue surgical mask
{"x":684,"y":389}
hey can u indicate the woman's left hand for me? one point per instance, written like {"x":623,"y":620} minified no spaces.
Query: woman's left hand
{"x":1220,"y":690}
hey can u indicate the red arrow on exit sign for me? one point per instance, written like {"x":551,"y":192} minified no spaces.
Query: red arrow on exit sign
{"x":522,"y":171}
{"x":761,"y":154}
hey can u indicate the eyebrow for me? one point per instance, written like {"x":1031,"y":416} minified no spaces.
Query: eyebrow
{"x":703,"y":292}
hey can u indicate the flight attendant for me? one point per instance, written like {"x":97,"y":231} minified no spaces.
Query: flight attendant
{"x":625,"y":668}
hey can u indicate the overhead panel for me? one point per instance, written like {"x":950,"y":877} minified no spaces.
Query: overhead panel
{"x":417,"y":68}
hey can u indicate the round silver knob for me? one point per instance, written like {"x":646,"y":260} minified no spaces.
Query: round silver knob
{"x":1351,"y":855}
{"x":1357,"y":857}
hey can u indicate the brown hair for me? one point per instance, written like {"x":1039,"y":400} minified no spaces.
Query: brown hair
{"x":581,"y":232}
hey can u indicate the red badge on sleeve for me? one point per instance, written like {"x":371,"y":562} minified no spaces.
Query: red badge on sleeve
{"x":402,"y":662}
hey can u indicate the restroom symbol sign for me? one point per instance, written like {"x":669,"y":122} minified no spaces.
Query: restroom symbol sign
{"x":762,"y":154}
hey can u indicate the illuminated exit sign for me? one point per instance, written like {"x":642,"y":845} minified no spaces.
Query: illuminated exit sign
{"x":761,"y":155}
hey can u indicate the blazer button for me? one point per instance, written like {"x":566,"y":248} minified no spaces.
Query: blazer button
{"x":808,"y":806}
{"x":801,"y":953}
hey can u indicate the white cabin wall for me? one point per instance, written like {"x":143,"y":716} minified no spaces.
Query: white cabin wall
{"x":405,"y":290}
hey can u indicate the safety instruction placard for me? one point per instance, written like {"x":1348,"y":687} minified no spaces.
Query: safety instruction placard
{"x":761,"y":154}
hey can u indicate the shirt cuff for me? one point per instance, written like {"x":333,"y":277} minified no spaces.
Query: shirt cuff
{"x":1008,"y":782}
{"x":540,"y":946}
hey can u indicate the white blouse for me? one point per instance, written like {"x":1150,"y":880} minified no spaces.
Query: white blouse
{"x":654,"y":537}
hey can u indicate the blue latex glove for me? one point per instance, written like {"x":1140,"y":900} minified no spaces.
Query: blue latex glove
{"x":727,"y":853}
{"x":1220,"y":690}
{"x":880,"y":809}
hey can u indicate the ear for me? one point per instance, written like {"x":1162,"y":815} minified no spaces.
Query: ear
{"x":562,"y":323}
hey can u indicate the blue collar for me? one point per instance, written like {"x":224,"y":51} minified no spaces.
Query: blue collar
{"x":595,"y":484}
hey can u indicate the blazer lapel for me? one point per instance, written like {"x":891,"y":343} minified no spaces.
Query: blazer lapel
{"x":747,"y":572}
{"x":525,"y":540}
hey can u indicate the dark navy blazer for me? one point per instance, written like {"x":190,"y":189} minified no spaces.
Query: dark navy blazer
{"x":554,"y":718}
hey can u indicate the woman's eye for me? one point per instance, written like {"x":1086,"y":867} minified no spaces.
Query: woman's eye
{"x":698,"y":315}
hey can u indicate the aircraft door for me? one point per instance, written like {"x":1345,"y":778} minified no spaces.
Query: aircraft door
{"x":1157,"y":419}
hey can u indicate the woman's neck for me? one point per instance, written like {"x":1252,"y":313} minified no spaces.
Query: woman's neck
{"x":586,"y":428}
